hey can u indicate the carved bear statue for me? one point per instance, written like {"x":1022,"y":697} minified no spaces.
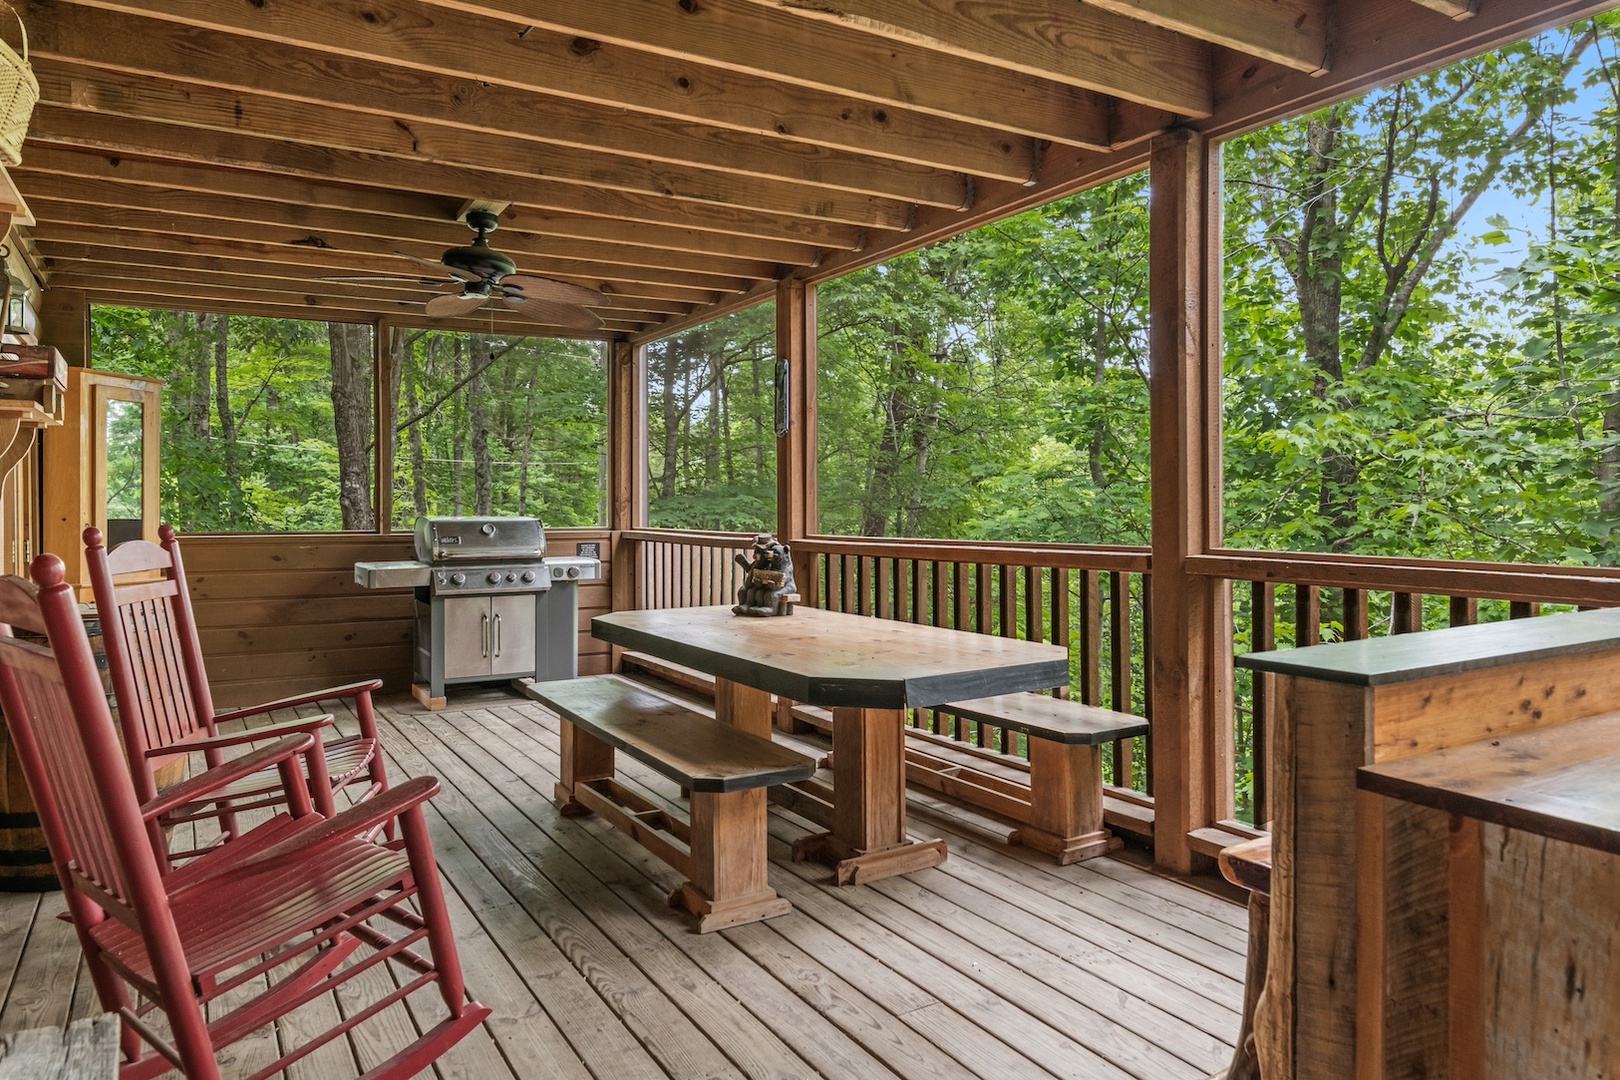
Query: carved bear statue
{"x":768,"y":587}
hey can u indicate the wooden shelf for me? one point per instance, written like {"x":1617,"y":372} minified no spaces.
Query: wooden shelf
{"x":1561,"y":782}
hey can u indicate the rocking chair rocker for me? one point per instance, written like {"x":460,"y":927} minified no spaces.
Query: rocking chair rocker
{"x":294,"y":909}
{"x":165,"y":707}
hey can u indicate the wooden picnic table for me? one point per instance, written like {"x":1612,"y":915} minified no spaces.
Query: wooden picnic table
{"x":868,"y":671}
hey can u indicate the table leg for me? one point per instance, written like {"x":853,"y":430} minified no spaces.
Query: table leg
{"x":868,"y":838}
{"x":584,"y":758}
{"x":743,"y":707}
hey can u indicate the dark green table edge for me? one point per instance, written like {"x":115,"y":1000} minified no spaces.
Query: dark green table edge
{"x":1451,"y":651}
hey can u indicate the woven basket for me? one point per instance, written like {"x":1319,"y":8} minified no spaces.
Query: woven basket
{"x":19,"y":93}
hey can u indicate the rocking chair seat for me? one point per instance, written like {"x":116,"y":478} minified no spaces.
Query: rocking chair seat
{"x":229,"y":918}
{"x":347,"y":759}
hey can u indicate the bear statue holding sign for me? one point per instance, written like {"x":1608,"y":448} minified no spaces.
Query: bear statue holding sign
{"x":768,"y":587}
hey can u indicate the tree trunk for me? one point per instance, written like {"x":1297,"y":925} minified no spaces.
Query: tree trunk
{"x":351,"y":416}
{"x":413,"y":439}
{"x":478,"y":408}
{"x":186,"y":346}
{"x":458,"y":441}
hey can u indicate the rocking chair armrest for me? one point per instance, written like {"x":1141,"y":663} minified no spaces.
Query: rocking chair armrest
{"x":348,"y":690}
{"x":235,"y":769}
{"x":357,"y":820}
{"x":308,"y":725}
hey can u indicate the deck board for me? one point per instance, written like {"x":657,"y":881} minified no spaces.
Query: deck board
{"x":995,"y":964}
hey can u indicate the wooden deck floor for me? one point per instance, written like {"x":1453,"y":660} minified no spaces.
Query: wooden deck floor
{"x":996,"y":965}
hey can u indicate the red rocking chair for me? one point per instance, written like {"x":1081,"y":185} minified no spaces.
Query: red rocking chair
{"x":165,"y":707}
{"x":292,"y":911}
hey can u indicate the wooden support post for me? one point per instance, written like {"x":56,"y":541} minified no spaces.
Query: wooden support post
{"x":382,"y":411}
{"x":627,"y":471}
{"x":1066,"y":802}
{"x":1191,"y":614}
{"x":729,"y":885}
{"x":64,"y":321}
{"x":796,"y":473}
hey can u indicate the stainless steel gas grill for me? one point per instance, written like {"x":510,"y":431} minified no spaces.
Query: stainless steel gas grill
{"x":489,"y":604}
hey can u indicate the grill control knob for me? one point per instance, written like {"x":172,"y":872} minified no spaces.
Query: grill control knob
{"x":487,"y":529}
{"x":528,"y":577}
{"x":573,"y":571}
{"x":511,"y":577}
{"x":494,"y":577}
{"x":556,"y":572}
{"x":458,"y":579}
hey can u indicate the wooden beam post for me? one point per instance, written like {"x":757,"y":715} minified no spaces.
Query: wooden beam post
{"x":1191,"y":675}
{"x":382,"y":412}
{"x":796,"y":473}
{"x":626,"y":467}
{"x":64,"y":321}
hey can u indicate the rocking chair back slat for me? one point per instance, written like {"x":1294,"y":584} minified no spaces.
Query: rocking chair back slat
{"x":168,"y":714}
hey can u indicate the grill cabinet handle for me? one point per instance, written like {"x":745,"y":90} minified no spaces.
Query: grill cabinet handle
{"x":497,"y":635}
{"x":486,"y":634}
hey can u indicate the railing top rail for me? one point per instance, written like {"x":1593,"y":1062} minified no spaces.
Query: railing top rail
{"x":1135,"y":560}
{"x":689,"y":536}
{"x":1432,"y":577}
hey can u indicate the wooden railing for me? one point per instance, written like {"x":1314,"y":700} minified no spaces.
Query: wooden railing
{"x":1283,"y":600}
{"x":1094,"y":601}
{"x":674,"y":568}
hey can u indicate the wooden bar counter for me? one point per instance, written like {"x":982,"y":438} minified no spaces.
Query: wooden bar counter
{"x":1386,"y":899}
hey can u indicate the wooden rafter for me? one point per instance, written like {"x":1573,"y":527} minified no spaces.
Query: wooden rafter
{"x":1452,"y":9}
{"x":1294,"y":33}
{"x":1048,"y":39}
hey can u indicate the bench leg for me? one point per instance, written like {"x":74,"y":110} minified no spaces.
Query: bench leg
{"x":729,"y":884}
{"x":1066,"y":802}
{"x":584,"y":758}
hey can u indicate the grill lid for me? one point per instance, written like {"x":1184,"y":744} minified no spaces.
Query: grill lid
{"x":464,"y":539}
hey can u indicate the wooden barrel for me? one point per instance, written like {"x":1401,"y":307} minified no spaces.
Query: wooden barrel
{"x":25,"y":862}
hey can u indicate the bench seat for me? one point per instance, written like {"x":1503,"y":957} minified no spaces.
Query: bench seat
{"x":721,"y":848}
{"x":1065,"y":766}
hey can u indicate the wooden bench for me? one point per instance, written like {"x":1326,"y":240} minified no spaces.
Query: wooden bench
{"x":721,"y":849}
{"x":1065,"y":766}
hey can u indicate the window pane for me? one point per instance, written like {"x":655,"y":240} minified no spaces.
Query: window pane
{"x":490,"y":424}
{"x":266,"y":422}
{"x":712,"y":437}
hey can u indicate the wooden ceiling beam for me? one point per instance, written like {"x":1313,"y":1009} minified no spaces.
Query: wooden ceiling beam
{"x":263,"y":289}
{"x":1294,"y":33}
{"x":205,"y":301}
{"x":192,"y":212}
{"x":110,"y":249}
{"x":119,"y":42}
{"x":601,"y":278}
{"x":1043,"y":39}
{"x":1457,"y":10}
{"x":74,"y":85}
{"x":145,"y":138}
{"x":112,"y":165}
{"x":748,"y":40}
{"x":410,"y":35}
{"x":340,"y":132}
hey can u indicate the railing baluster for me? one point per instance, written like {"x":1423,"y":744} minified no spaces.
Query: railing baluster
{"x":1464,"y":610}
{"x":1146,"y":742}
{"x":1355,"y":615}
{"x":939,"y":609}
{"x":961,"y":596}
{"x":1408,"y":613}
{"x":1263,"y":693}
{"x":1523,"y":609}
{"x":1090,"y":637}
{"x":1060,"y":615}
{"x":1307,"y":615}
{"x":1008,"y":602}
{"x":919,"y":591}
{"x":982,"y":604}
{"x":1119,"y":628}
{"x":884,"y":584}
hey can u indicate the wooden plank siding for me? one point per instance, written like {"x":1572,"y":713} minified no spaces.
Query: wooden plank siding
{"x":281,"y":614}
{"x":995,"y":965}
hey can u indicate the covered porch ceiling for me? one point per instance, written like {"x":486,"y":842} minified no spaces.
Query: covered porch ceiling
{"x":680,"y":156}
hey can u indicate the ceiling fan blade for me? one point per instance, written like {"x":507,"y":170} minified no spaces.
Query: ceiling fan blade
{"x":542,"y":288}
{"x":448,"y":305}
{"x":443,"y":269}
{"x":407,"y":280}
{"x":556,"y":314}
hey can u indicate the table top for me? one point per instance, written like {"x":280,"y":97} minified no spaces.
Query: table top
{"x":834,"y":659}
{"x":1561,"y":781}
{"x":1449,"y":651}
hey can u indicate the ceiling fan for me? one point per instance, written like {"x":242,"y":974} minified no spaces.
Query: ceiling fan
{"x":484,"y":274}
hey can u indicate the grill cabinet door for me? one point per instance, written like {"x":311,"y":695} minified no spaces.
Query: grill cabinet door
{"x":513,"y":634}
{"x":466,"y":636}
